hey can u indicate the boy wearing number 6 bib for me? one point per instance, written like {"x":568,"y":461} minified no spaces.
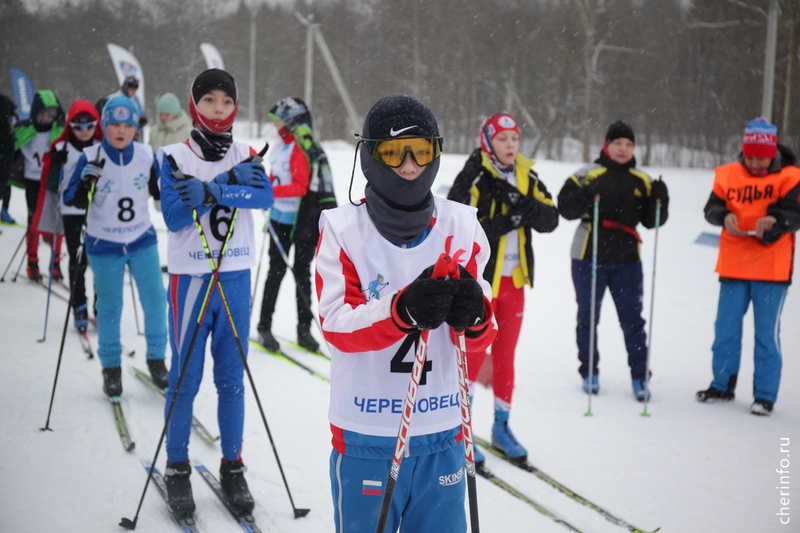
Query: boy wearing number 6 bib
{"x":215,"y":179}
{"x":119,"y":233}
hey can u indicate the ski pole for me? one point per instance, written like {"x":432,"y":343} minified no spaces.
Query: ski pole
{"x":52,"y":260}
{"x":440,"y":270}
{"x":652,"y":302}
{"x":258,"y":270}
{"x":19,"y":267}
{"x":71,"y":292}
{"x":127,"y":523}
{"x":297,"y":512}
{"x":49,"y":291}
{"x":133,"y":298}
{"x":13,"y":257}
{"x":466,"y":419}
{"x":595,"y":231}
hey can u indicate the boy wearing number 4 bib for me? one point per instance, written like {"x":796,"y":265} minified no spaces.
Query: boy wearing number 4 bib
{"x":393,"y":235}
{"x":119,"y":233}
{"x":218,"y":178}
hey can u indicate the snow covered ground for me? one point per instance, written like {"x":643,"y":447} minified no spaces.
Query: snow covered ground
{"x":689,"y":467}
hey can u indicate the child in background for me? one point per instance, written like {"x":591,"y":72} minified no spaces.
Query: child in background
{"x":628,"y":197}
{"x":220,"y":178}
{"x":119,"y":233}
{"x":173,"y":124}
{"x":294,"y":173}
{"x":511,"y":201}
{"x":755,"y":200}
{"x":83,"y":130}
{"x":32,"y":141}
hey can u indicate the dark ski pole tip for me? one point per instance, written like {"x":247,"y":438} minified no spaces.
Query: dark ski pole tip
{"x":45,"y":429}
{"x":127,"y":523}
{"x":300,"y":513}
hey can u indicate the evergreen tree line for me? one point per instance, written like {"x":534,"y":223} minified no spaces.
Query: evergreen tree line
{"x":686,"y":74}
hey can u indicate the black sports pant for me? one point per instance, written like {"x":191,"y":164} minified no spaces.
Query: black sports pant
{"x":303,"y":254}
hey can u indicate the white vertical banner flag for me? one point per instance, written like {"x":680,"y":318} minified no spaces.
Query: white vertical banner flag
{"x":212,"y":56}
{"x":125,"y":64}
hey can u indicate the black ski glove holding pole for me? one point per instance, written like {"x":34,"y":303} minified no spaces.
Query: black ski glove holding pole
{"x":468,"y":308}
{"x":425,"y":302}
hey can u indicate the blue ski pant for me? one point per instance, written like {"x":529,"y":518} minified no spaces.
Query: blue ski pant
{"x":626,"y":284}
{"x":186,"y":295}
{"x":109,"y":276}
{"x":734,"y":299}
{"x":428,"y":496}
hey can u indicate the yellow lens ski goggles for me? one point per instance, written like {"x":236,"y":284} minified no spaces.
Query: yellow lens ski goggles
{"x":392,"y":152}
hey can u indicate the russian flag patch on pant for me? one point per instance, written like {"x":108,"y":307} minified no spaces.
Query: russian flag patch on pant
{"x":373,"y":488}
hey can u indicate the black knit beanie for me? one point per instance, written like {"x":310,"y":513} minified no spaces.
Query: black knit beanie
{"x":620,"y":129}
{"x":214,"y":79}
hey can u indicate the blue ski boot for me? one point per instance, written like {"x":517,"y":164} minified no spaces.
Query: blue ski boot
{"x":81,"y":317}
{"x":639,"y":390}
{"x":6,"y":217}
{"x":595,"y":384}
{"x":504,"y":440}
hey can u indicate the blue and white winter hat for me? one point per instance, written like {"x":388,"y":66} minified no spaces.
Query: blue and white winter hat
{"x":120,"y":109}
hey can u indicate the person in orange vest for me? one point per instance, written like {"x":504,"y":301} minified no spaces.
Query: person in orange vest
{"x":755,"y":200}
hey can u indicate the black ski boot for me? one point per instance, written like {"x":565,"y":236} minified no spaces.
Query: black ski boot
{"x":266,"y":340}
{"x":158,"y":373}
{"x":112,"y":381}
{"x":234,"y":487}
{"x":179,"y":489}
{"x":305,"y":340}
{"x":712,"y":394}
{"x":57,"y":275}
{"x":33,"y":270}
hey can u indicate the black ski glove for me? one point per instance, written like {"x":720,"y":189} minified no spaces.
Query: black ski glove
{"x":468,"y":308}
{"x":601,"y":185}
{"x":526,"y":209}
{"x":425,"y":302}
{"x":658,"y":191}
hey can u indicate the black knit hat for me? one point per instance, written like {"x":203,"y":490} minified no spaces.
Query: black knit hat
{"x":214,"y":79}
{"x":397,"y":115}
{"x":620,"y":129}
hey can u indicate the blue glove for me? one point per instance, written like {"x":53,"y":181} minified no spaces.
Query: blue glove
{"x":247,"y":173}
{"x":91,"y":171}
{"x":194,"y":192}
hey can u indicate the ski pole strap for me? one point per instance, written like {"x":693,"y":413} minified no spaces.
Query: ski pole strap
{"x":622,"y":227}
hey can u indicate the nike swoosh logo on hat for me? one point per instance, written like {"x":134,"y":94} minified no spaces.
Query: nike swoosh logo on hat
{"x":401,"y":130}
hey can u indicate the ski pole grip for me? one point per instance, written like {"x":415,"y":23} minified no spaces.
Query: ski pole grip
{"x":177,"y":173}
{"x":442,"y":267}
{"x":260,"y":157}
{"x":597,"y":198}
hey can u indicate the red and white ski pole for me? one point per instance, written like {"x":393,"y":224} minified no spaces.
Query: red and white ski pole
{"x":440,"y":270}
{"x":466,"y":419}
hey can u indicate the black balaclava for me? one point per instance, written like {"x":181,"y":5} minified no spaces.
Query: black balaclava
{"x":399,"y":208}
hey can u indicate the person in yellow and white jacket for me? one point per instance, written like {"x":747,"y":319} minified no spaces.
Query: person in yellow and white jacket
{"x":511,"y":201}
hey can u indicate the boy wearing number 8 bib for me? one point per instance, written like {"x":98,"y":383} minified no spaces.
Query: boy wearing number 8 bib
{"x":213,"y":176}
{"x":119,"y":233}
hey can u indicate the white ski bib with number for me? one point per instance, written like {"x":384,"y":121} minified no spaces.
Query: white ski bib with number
{"x":280,"y":168}
{"x":368,"y":388}
{"x":33,"y":152}
{"x":185,"y":254}
{"x":119,"y":211}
